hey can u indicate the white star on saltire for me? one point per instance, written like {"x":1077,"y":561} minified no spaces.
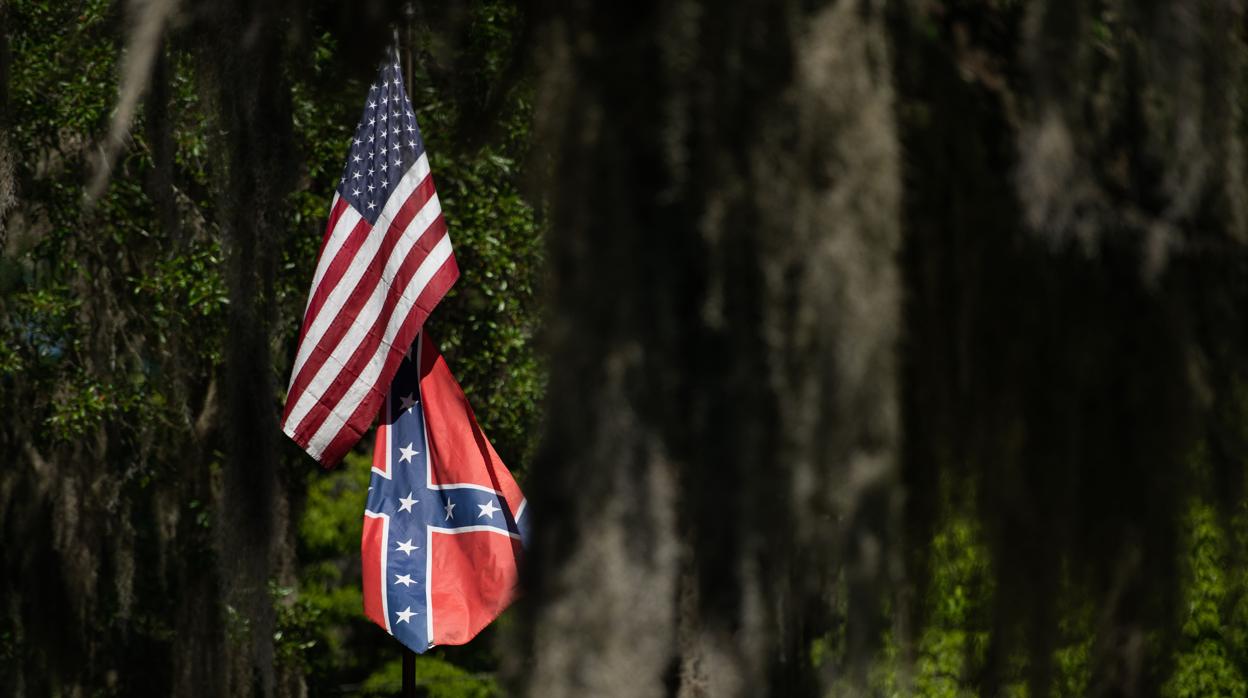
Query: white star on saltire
{"x":405,"y":504}
{"x":409,"y":400}
{"x":404,"y":579}
{"x":406,"y":453}
{"x":405,"y":616}
{"x":487,"y":509}
{"x":450,"y":511}
{"x":406,"y":546}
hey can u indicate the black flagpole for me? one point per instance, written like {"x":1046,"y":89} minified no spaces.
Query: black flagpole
{"x":409,"y":673}
{"x":409,"y":657}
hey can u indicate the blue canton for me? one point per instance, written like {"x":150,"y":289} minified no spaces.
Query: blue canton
{"x":386,"y":143}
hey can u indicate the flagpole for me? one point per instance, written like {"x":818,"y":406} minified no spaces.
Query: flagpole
{"x":409,"y":16}
{"x":409,"y":673}
{"x":409,"y":657}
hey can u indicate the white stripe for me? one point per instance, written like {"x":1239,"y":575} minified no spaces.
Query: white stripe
{"x":385,"y":548}
{"x":367,"y":377}
{"x":464,"y":486}
{"x":359,"y":263}
{"x":520,"y":511}
{"x":476,"y":529}
{"x":428,"y":586}
{"x":369,"y":312}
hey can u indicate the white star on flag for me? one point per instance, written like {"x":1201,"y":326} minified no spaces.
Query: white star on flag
{"x":487,"y":509}
{"x":406,"y":453}
{"x":405,"y":504}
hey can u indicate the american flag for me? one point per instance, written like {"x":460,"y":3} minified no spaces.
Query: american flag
{"x":385,"y":262}
{"x":445,"y":522}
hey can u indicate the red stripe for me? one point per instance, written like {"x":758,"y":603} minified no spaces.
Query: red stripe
{"x":362,"y":416}
{"x":359,"y":295}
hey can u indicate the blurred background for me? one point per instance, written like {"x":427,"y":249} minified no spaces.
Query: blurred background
{"x":842,"y":347}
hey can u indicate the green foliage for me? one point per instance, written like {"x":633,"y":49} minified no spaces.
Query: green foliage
{"x":1204,"y":671}
{"x":956,"y":638}
{"x":951,"y":648}
{"x":94,"y":296}
{"x":951,"y":651}
{"x":1212,"y":658}
{"x":436,"y":678}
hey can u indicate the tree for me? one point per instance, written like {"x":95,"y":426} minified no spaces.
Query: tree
{"x":822,"y":263}
{"x":724,"y":231}
{"x":894,"y":348}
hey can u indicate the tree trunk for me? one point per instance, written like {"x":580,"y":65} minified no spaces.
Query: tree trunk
{"x":723,"y":416}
